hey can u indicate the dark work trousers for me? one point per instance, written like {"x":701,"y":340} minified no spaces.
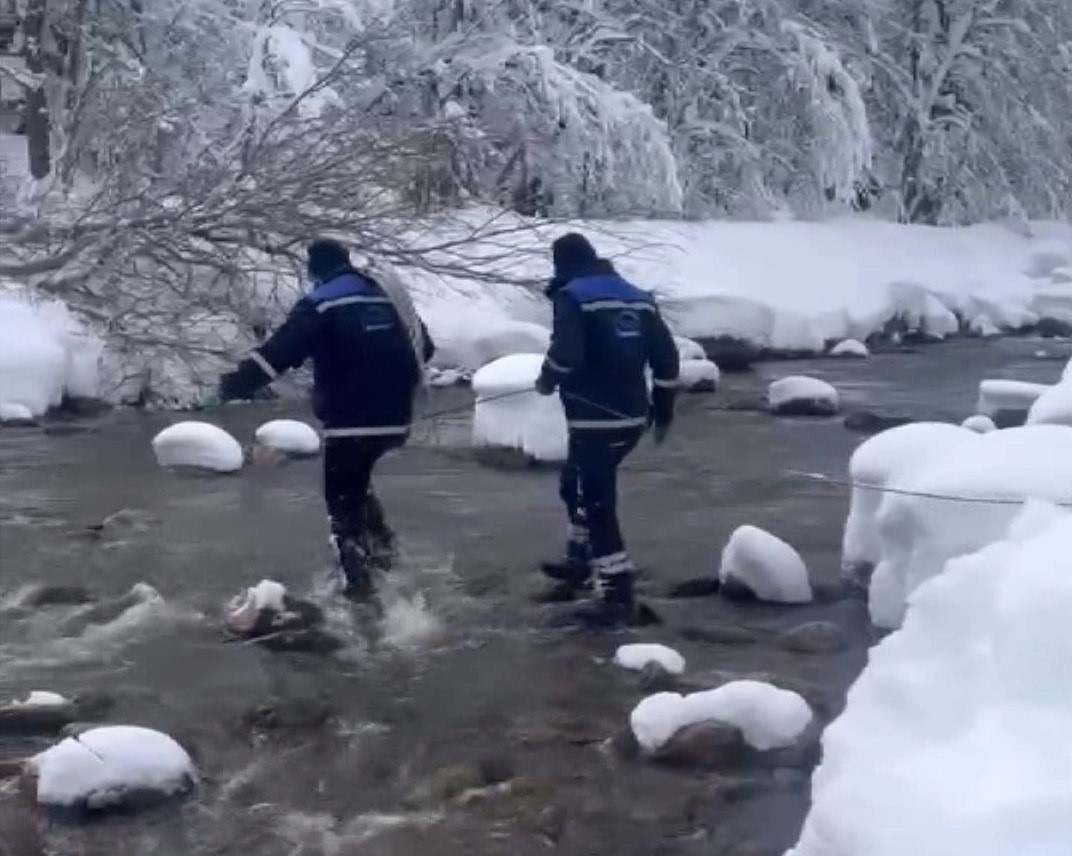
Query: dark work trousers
{"x":353,"y":508}
{"x":589,"y":484}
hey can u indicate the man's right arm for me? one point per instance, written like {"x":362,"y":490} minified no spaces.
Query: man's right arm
{"x":287,"y":349}
{"x":566,"y":353}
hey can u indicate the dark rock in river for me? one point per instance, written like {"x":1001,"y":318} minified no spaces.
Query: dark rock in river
{"x":1053,"y":328}
{"x":721,"y":634}
{"x":696,"y":587}
{"x":868,"y":422}
{"x":57,"y":596}
{"x":730,"y":354}
{"x":36,"y":719}
{"x":452,"y":782}
{"x":281,"y":713}
{"x":721,"y":746}
{"x":815,"y":637}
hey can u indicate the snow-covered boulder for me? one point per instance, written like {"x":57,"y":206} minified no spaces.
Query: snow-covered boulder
{"x":197,"y":445}
{"x":957,"y":737}
{"x":982,"y":326}
{"x":877,"y":462}
{"x":919,"y":532}
{"x":12,"y":413}
{"x":111,"y":767}
{"x":478,"y":339}
{"x":689,"y":349}
{"x":289,"y":437}
{"x":698,"y":376}
{"x":266,"y":596}
{"x":850,"y":348}
{"x":1008,"y":401}
{"x":802,"y":396}
{"x":979,"y":424}
{"x":637,"y":656}
{"x":768,"y":717}
{"x":766,"y":566}
{"x":510,"y":414}
{"x":33,"y":360}
{"x":1053,"y":407}
{"x":41,"y":699}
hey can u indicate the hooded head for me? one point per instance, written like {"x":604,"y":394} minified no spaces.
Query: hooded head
{"x":572,"y":255}
{"x":326,"y":257}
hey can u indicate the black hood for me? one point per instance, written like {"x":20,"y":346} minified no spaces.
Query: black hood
{"x":574,"y":257}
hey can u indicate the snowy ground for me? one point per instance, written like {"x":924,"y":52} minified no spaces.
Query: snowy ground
{"x":787,"y":286}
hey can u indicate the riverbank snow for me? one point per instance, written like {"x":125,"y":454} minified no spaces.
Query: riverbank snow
{"x":957,"y":738}
{"x":768,"y":717}
{"x":979,"y":424}
{"x":639,"y":655}
{"x":288,"y":436}
{"x":510,"y":414}
{"x":875,"y":463}
{"x":698,"y":376}
{"x":1053,"y":407}
{"x":42,"y":699}
{"x":997,"y":397}
{"x":198,"y":445}
{"x":107,"y":766}
{"x":919,"y":533}
{"x":802,"y":396}
{"x":765,"y":565}
{"x":850,"y":348}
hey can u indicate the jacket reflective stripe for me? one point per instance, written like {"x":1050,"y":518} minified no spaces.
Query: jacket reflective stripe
{"x":368,"y":431}
{"x":347,"y":301}
{"x":595,"y":424}
{"x":558,"y":367}
{"x":600,"y":305}
{"x":666,"y":384}
{"x":263,"y":364}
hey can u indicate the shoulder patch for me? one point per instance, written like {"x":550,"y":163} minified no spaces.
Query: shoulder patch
{"x":627,"y":324}
{"x":377,"y":317}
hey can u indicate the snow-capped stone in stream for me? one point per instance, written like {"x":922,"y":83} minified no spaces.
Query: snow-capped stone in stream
{"x":1053,"y":407}
{"x":511,"y":414}
{"x":42,"y":698}
{"x":982,"y":326}
{"x":637,"y":656}
{"x":850,"y":348}
{"x":290,"y":437}
{"x":979,"y":424}
{"x":267,"y":595}
{"x":12,"y":413}
{"x":112,"y":766}
{"x":689,"y":349}
{"x":802,"y":396}
{"x":698,"y":376}
{"x":767,"y":566}
{"x":445,"y":378}
{"x":768,"y":717}
{"x":877,"y":462}
{"x":197,"y":445}
{"x":919,"y":533}
{"x":956,"y":737}
{"x":1007,"y":402}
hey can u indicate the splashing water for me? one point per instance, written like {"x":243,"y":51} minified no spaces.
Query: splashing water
{"x":409,"y":623}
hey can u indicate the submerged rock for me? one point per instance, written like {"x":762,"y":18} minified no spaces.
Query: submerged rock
{"x":454,"y":781}
{"x":869,"y":422}
{"x":814,"y":637}
{"x":288,"y":713}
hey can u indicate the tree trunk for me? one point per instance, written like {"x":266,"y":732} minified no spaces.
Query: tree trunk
{"x":35,"y":117}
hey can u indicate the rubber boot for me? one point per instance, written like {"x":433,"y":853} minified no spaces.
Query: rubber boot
{"x":355,"y":567}
{"x":381,"y":542}
{"x":614,"y":606}
{"x":572,"y":574}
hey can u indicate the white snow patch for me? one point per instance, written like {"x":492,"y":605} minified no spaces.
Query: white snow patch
{"x":874,"y":464}
{"x":1066,"y":375}
{"x":957,"y":737}
{"x":979,"y":424}
{"x":918,"y":534}
{"x":42,"y":698}
{"x":689,"y":349}
{"x":289,"y":436}
{"x":702,"y":374}
{"x":637,"y":656}
{"x":12,"y":412}
{"x":1008,"y":395}
{"x":472,"y":339}
{"x":511,"y":414}
{"x":243,"y":610}
{"x":198,"y":445}
{"x":103,"y":766}
{"x":768,"y":717}
{"x":771,"y":569}
{"x":982,"y":326}
{"x":850,"y":348}
{"x":1053,"y":407}
{"x":788,"y":393}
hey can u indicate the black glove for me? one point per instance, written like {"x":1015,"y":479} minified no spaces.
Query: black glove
{"x":660,"y":428}
{"x":545,"y":383}
{"x":662,"y":413}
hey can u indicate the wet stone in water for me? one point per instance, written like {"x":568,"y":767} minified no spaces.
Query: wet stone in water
{"x":815,"y":637}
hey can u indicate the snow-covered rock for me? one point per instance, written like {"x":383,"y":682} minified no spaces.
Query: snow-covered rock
{"x":920,"y":532}
{"x":1008,"y":399}
{"x":957,"y":736}
{"x":1053,"y":407}
{"x":802,"y":396}
{"x":768,"y":717}
{"x":982,"y":326}
{"x":765,"y":565}
{"x":850,"y":348}
{"x":511,"y":414}
{"x":42,"y":698}
{"x":445,"y":378}
{"x":289,"y":436}
{"x":979,"y":424}
{"x":197,"y":445}
{"x":637,"y":656}
{"x":698,"y":376}
{"x":111,"y":766}
{"x":475,"y":340}
{"x":877,"y":462}
{"x":689,"y":349}
{"x":15,"y":414}
{"x":245,"y":608}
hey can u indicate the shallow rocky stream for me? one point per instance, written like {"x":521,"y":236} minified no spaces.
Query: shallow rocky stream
{"x":464,"y":722}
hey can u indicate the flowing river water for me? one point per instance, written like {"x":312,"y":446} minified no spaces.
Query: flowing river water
{"x":465,"y":670}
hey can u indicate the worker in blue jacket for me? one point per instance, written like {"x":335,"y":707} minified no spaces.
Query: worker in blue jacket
{"x":368,"y":353}
{"x":607,"y":334}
